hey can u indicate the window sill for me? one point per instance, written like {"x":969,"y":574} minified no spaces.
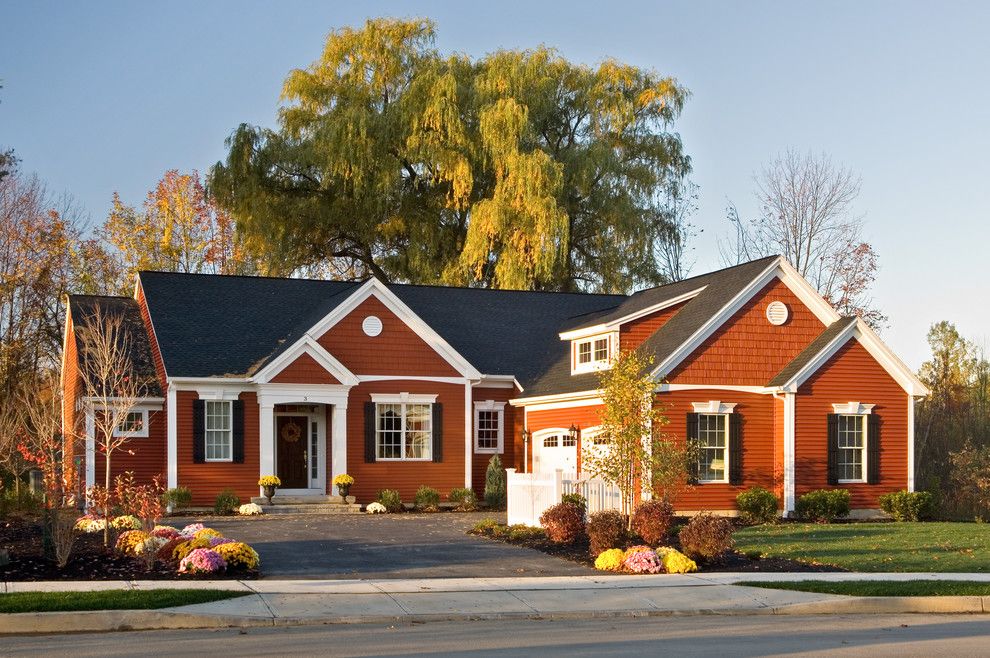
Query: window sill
{"x":851,"y":481}
{"x":713,"y":482}
{"x":487,"y":451}
{"x":403,"y":459}
{"x":130,"y":435}
{"x":219,"y":461}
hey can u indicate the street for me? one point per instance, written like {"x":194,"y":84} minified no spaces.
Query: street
{"x":903,"y":635}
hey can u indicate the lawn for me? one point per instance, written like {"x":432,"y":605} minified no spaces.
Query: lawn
{"x":882,"y":587}
{"x":113,"y":599}
{"x":934,"y":547}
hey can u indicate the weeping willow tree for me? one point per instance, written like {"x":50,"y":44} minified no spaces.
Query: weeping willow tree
{"x":519,"y":169}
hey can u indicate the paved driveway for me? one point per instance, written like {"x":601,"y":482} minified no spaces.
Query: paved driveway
{"x":384,"y":546}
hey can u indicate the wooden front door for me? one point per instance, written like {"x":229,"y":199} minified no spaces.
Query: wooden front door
{"x":290,"y":437}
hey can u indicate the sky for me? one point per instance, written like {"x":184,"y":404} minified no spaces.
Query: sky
{"x":106,"y":96}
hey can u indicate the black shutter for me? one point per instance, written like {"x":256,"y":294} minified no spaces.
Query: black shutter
{"x":833,"y":449}
{"x":237,"y":427}
{"x":199,"y":431}
{"x":872,"y":449}
{"x":437,"y":432}
{"x":735,"y":449}
{"x":370,"y":422}
{"x":692,"y":445}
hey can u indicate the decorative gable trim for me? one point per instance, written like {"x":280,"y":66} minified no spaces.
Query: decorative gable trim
{"x":613,"y":325}
{"x":713,"y":407}
{"x":375,"y":288}
{"x":306,"y":345}
{"x":853,"y":408}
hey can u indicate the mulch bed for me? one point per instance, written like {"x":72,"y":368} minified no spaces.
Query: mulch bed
{"x":21,"y":539}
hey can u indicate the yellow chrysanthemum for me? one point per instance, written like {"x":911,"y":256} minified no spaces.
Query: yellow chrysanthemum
{"x":676,"y":562}
{"x":187,"y":547}
{"x":238,"y":554}
{"x":610,"y":560}
{"x":207,"y":533}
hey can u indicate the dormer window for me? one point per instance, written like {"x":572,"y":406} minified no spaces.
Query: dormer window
{"x":591,"y":354}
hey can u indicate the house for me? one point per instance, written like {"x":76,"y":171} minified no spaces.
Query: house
{"x":404,"y":385}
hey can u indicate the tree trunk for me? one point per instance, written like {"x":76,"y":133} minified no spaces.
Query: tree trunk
{"x":106,"y":506}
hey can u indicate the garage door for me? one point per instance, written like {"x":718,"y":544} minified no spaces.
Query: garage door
{"x":555,"y":449}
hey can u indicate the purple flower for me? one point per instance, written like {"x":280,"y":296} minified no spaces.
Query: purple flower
{"x":216,"y":541}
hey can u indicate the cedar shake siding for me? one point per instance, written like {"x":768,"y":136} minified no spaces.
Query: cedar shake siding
{"x":304,"y":370}
{"x":747,"y":350}
{"x":72,"y":421}
{"x":632,"y":334}
{"x":852,"y":374}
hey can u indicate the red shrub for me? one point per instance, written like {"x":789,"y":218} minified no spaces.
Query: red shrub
{"x":707,"y":537}
{"x":563,"y":523}
{"x":652,"y":521}
{"x":606,"y":530}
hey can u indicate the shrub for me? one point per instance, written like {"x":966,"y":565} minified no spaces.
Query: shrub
{"x":485,"y":527}
{"x":177,"y":497}
{"x":611,"y":560}
{"x":907,"y":505}
{"x":427,"y":499}
{"x":674,"y":561}
{"x":202,"y":560}
{"x":606,"y":530}
{"x":185,"y":548}
{"x":390,"y":500}
{"x":522,"y":533}
{"x":643,"y":561}
{"x":575,"y":499}
{"x":238,"y":555}
{"x":652,"y":521}
{"x":707,"y":537}
{"x":757,"y":505}
{"x":563,"y":522}
{"x":495,"y":483}
{"x":226,"y":503}
{"x":823,"y":505}
{"x":465,"y":499}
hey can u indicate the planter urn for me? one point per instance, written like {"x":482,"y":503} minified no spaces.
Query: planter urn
{"x":269,"y":492}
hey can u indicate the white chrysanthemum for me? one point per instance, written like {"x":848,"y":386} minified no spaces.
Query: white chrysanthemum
{"x":250,"y":509}
{"x":149,"y":545}
{"x":376,"y":508}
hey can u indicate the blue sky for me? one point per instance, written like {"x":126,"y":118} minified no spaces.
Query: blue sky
{"x":106,"y":96}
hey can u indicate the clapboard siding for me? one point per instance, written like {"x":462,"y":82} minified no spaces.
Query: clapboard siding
{"x":145,"y":456}
{"x":479,"y":465}
{"x":304,"y":370}
{"x":851,"y":375}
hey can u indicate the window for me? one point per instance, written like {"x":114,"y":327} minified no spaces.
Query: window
{"x":219,"y":431}
{"x":135,"y":423}
{"x":489,"y":420}
{"x":852,"y":447}
{"x":591,"y":353}
{"x":404,"y":431}
{"x":568,"y":440}
{"x":550,"y":441}
{"x":713,"y":447}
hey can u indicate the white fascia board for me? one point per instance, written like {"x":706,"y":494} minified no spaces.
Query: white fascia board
{"x":306,"y":345}
{"x":826,"y":353}
{"x":807,"y":293}
{"x":498,"y":381}
{"x":761,"y":390}
{"x":585,"y":397}
{"x":392,"y":302}
{"x":612,"y":325}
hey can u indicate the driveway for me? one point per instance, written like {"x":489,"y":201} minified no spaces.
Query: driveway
{"x":384,"y":546}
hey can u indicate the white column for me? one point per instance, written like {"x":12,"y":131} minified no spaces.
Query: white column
{"x":338,"y":460}
{"x":90,"y":448}
{"x":468,"y":435}
{"x":910,"y":445}
{"x":789,"y":415}
{"x":172,"y":438}
{"x":266,"y":436}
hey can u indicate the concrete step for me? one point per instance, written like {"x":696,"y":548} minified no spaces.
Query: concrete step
{"x":337,"y":508}
{"x":312,"y":499}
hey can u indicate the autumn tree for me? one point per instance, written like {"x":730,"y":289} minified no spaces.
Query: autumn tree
{"x":806,"y":214}
{"x":519,"y":169}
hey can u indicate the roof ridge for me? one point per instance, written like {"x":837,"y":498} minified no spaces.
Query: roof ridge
{"x":707,"y":274}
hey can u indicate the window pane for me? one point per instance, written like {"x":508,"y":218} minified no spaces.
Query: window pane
{"x":568,"y":441}
{"x":712,"y":443}
{"x":389,"y":431}
{"x":601,"y":349}
{"x":584,"y":352}
{"x":488,"y":422}
{"x":550,"y":442}
{"x":418,"y":445}
{"x":218,"y":430}
{"x":851,"y":447}
{"x":133,"y":422}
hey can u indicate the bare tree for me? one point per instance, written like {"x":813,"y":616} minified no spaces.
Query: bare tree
{"x":11,"y":435}
{"x":111,"y":389}
{"x":671,"y":252}
{"x":806,"y":215}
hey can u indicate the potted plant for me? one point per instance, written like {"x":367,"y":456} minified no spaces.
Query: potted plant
{"x":269,"y":484}
{"x":343,"y":483}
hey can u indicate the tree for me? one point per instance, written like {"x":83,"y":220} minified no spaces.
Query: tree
{"x":806,"y":215}
{"x":516,"y":170}
{"x":178,"y":229}
{"x":633,"y":452}
{"x":671,"y":250}
{"x":111,"y":389}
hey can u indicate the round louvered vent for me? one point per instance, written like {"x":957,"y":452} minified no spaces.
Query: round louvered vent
{"x":777,"y":313}
{"x":372,"y":325}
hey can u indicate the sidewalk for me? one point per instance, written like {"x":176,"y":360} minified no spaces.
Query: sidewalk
{"x":287,"y":602}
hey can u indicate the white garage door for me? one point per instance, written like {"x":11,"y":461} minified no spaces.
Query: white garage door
{"x":555,"y":449}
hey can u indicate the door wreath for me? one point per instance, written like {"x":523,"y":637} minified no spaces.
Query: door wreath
{"x":291,"y":432}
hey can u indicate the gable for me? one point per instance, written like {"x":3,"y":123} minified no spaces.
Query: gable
{"x":747,"y":350}
{"x":632,"y":334}
{"x":304,"y":370}
{"x":397,"y":350}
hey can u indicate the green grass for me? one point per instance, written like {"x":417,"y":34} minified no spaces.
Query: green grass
{"x":113,"y":599}
{"x":882,"y":588}
{"x":934,"y":547}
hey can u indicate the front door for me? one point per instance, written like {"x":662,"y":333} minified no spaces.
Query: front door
{"x":290,"y":436}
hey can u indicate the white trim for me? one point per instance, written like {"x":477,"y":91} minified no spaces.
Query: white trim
{"x":272,"y":394}
{"x":761,"y":390}
{"x":490,"y":405}
{"x":374,"y":287}
{"x":567,"y":404}
{"x":90,"y":448}
{"x":852,"y":408}
{"x":555,"y":397}
{"x":468,"y":440}
{"x":403,"y":398}
{"x":306,"y":345}
{"x":714,"y":407}
{"x":229,"y":405}
{"x":147,"y":403}
{"x":338,"y":442}
{"x":134,"y":434}
{"x":399,"y":378}
{"x":865,"y":453}
{"x":317,"y":484}
{"x":613,"y":324}
{"x":594,"y":365}
{"x":188,"y":383}
{"x":910,"y":446}
{"x":790,"y":408}
{"x":172,"y":437}
{"x":820,"y":359}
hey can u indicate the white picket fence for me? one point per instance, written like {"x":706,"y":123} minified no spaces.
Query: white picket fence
{"x":528,"y":495}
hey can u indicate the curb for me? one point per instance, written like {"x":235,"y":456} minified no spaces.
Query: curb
{"x":93,"y":621}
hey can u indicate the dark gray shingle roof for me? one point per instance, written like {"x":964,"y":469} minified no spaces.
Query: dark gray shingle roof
{"x":813,"y":349}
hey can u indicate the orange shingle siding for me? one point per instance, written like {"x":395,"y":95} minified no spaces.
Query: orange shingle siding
{"x":632,"y":334}
{"x":748,"y":350}
{"x":396,"y":350}
{"x":851,"y":375}
{"x":304,"y":370}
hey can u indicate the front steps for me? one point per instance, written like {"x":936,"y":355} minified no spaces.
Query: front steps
{"x":313,"y":504}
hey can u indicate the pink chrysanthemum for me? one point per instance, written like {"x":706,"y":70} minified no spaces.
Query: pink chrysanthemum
{"x":202,"y":560}
{"x":644,"y":562}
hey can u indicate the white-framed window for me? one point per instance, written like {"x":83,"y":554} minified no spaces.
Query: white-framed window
{"x":851,"y":437}
{"x":404,"y":427}
{"x":219,"y":430}
{"x":134,"y":424}
{"x":592,"y":353}
{"x":489,"y":427}
{"x":713,"y":447}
